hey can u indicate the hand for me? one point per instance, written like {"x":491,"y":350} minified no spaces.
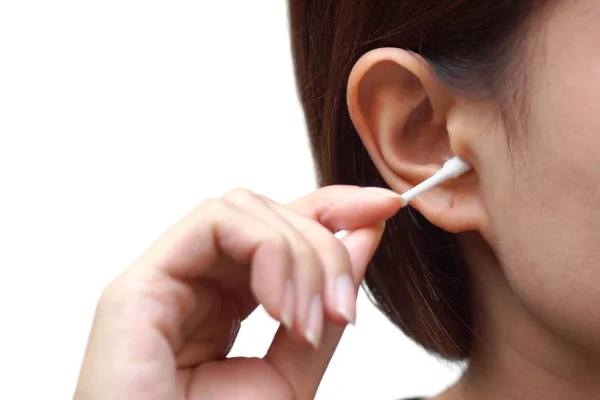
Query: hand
{"x":163,"y":327}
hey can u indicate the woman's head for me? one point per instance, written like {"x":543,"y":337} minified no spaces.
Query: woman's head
{"x":392,"y":88}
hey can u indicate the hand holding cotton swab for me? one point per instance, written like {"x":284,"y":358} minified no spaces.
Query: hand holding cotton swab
{"x":451,"y":169}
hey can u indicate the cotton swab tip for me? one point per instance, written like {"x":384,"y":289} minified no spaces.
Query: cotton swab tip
{"x":451,"y":169}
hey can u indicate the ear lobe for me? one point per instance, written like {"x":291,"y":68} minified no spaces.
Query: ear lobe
{"x":401,"y":110}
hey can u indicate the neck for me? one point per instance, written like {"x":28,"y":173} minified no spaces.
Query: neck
{"x":516,"y":355}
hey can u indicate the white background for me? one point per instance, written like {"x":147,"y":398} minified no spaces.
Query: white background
{"x":116,"y":118}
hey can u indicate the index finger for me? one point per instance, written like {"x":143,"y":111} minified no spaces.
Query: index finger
{"x":341,"y":207}
{"x":304,"y":367}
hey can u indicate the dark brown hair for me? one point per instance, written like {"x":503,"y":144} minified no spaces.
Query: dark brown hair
{"x":418,"y":276}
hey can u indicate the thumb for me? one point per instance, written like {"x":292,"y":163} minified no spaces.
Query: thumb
{"x":298,"y":363}
{"x":339,"y":207}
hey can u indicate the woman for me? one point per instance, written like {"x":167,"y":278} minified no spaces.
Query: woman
{"x":497,"y":268}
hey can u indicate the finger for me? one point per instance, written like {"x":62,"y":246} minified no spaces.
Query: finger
{"x":348,"y":207}
{"x":339,"y":290}
{"x":296,"y":302}
{"x":214,"y":242}
{"x":302,"y":367}
{"x":216,"y":230}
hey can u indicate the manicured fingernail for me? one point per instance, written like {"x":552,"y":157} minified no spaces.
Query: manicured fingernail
{"x":346,"y":297}
{"x":314,"y":325}
{"x":383,"y":192}
{"x":287,"y":308}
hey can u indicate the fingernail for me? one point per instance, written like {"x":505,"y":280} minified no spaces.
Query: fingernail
{"x":346,"y":298}
{"x":287,"y":309}
{"x":314,"y":326}
{"x":383,"y":192}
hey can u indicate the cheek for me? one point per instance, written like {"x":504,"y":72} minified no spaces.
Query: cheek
{"x":543,"y":192}
{"x":545,"y":224}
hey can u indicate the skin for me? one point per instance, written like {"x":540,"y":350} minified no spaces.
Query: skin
{"x":527,"y":215}
{"x":163,"y":327}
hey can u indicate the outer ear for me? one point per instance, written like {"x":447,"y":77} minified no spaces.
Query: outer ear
{"x":402,"y":113}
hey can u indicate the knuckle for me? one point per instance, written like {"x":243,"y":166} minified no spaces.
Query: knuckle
{"x":306,"y":255}
{"x":240,"y":195}
{"x":278,"y":242}
{"x":212,"y":206}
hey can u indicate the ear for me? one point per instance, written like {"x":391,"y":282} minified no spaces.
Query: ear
{"x":409,"y":123}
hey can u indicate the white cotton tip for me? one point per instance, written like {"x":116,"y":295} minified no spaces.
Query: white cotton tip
{"x":454,"y":168}
{"x":451,"y":169}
